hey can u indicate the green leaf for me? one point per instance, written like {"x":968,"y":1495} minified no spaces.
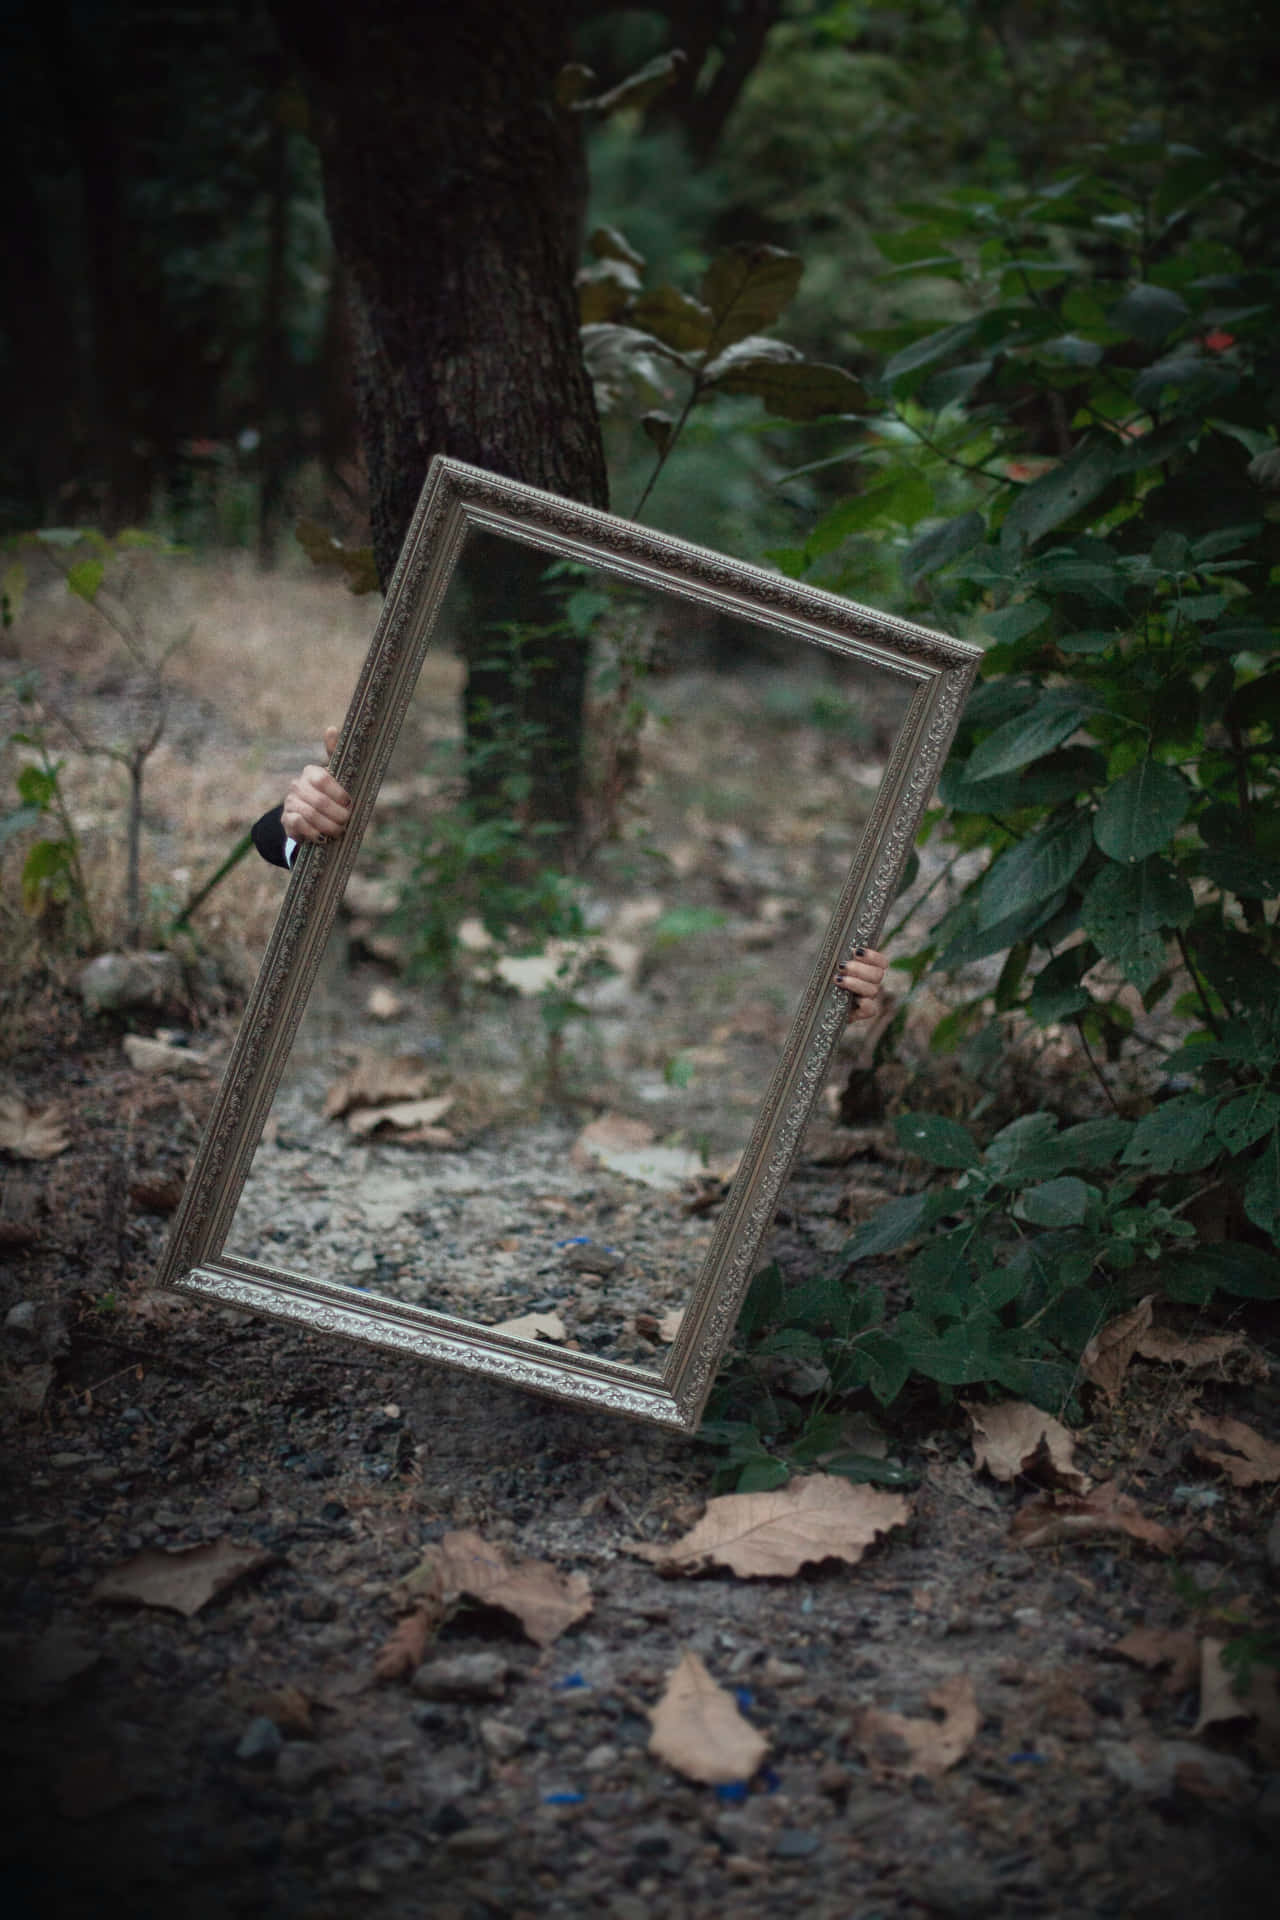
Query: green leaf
{"x":674,"y":318}
{"x":1126,"y":910}
{"x":1245,"y":1119}
{"x":46,"y":874}
{"x":84,"y":578}
{"x":747,"y":288}
{"x":1149,"y":314}
{"x":1028,"y":737}
{"x":1262,"y":1189}
{"x":924,"y":353}
{"x":794,"y":389}
{"x":1013,"y":623}
{"x":891,"y":1226}
{"x":1056,"y":992}
{"x":942,"y":1142}
{"x":935,"y":549}
{"x":762,"y":1475}
{"x":1196,"y":1274}
{"x":608,"y":244}
{"x":1248,"y":874}
{"x":1141,"y":811}
{"x":38,"y":787}
{"x":1047,"y":502}
{"x":1036,"y":868}
{"x":1058,"y":1203}
{"x":1092,"y":1144}
{"x":979,"y":943}
{"x":1177,"y":1137}
{"x":1009,"y":1150}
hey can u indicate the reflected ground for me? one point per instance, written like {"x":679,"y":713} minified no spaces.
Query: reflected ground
{"x":579,"y":1178}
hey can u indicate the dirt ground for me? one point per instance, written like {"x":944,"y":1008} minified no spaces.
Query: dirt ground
{"x":243,"y":1759}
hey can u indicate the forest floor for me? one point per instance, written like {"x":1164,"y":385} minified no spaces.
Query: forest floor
{"x":211,"y":1526}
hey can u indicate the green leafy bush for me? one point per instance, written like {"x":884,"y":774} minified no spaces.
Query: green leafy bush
{"x":1110,"y":404}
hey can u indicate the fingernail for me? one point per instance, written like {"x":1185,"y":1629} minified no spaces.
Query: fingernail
{"x":859,"y":951}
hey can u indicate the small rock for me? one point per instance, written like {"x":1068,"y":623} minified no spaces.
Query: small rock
{"x":64,"y":1462}
{"x":464,"y":1676}
{"x":300,"y":1765}
{"x":260,"y":1743}
{"x":793,"y":1843}
{"x":835,"y":1781}
{"x":500,"y":1739}
{"x":588,"y":1256}
{"x":158,"y":1056}
{"x":103,"y":1476}
{"x":21,"y":1320}
{"x":478,"y":1840}
{"x":131,"y":982}
{"x":601,"y":1758}
{"x":244,"y":1499}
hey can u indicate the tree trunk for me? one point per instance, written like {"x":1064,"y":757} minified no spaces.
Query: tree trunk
{"x":454,"y":187}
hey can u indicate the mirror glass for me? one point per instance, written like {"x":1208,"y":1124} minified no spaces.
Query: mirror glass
{"x":527,"y":1069}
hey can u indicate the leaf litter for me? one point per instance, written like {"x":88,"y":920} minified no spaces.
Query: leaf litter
{"x":762,"y":1536}
{"x":1052,"y":1519}
{"x":31,"y":1134}
{"x":898,"y":1745}
{"x":183,"y":1581}
{"x":1013,"y":1437}
{"x":465,"y":1565}
{"x":1244,"y":1456}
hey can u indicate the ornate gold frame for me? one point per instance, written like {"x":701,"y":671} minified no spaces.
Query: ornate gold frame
{"x":456,"y":498}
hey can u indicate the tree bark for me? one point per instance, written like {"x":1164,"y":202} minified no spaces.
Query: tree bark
{"x":454,"y":187}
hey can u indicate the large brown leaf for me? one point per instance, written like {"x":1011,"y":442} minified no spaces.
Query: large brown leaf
{"x":1222,"y":1702}
{"x":698,"y":1730}
{"x":1172,"y":1647}
{"x":898,"y":1745}
{"x":763,"y":1535}
{"x":544,"y":1601}
{"x":1015,"y":1437}
{"x":181,"y":1582}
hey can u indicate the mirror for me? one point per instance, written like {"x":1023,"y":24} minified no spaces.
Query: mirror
{"x":524,"y":1106}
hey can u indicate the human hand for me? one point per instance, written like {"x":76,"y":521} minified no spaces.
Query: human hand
{"x":316,"y":808}
{"x":862,"y":976}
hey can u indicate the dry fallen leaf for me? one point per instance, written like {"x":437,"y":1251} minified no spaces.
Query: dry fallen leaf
{"x":181,"y":1582}
{"x":898,"y":1745}
{"x":544,"y":1601}
{"x":29,"y":1135}
{"x":1015,"y":1437}
{"x":533,"y":1326}
{"x":1172,"y":1647}
{"x":1106,"y":1359}
{"x":146,"y":1055}
{"x":400,"y":1115}
{"x":376,"y":1080}
{"x":406,"y":1649}
{"x":1258,"y":1700}
{"x":698,"y":1730}
{"x":670,"y":1324}
{"x":1249,"y":1461}
{"x":1051,"y":1518}
{"x":1229,"y":1355}
{"x":611,"y":1133}
{"x":760,"y":1535}
{"x":383,"y":1004}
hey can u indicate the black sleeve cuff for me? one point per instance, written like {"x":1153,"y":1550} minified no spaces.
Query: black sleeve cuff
{"x":269,"y":836}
